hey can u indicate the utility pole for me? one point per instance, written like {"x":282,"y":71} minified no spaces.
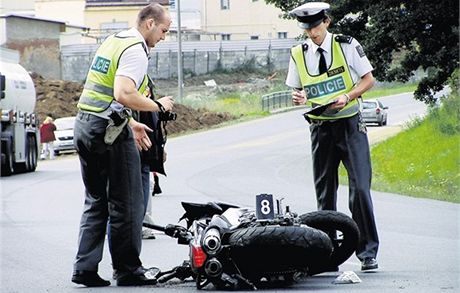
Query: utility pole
{"x":179,"y":54}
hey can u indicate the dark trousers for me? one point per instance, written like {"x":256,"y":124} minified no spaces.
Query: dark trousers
{"x":341,"y":141}
{"x":113,"y":191}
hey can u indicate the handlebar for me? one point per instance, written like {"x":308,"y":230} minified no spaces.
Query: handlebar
{"x":175,"y":231}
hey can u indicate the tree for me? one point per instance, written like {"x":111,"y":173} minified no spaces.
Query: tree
{"x":400,"y":36}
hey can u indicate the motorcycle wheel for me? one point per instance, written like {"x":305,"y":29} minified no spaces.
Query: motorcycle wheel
{"x":344,"y":245}
{"x":263,"y":251}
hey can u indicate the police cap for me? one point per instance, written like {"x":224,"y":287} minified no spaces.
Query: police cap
{"x":310,"y":14}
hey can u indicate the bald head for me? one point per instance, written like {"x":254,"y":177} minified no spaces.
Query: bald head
{"x":152,"y":11}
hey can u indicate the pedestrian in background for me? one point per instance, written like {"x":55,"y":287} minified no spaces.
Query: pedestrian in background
{"x":334,"y":68}
{"x":108,"y":150}
{"x":47,"y":138}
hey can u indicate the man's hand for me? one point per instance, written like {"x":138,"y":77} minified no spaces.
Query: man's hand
{"x":299,"y":97}
{"x":141,"y":138}
{"x":167,"y":102}
{"x":340,"y":102}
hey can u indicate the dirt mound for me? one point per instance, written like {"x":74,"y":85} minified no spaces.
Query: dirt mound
{"x":58,"y":98}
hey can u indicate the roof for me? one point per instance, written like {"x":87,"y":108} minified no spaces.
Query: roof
{"x":23,"y":16}
{"x":12,"y":15}
{"x":103,"y":3}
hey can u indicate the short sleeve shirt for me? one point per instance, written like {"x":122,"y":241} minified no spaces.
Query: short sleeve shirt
{"x":354,"y":54}
{"x":134,"y":61}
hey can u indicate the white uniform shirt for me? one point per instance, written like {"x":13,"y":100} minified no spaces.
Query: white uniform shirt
{"x":354,"y":54}
{"x":134,"y":61}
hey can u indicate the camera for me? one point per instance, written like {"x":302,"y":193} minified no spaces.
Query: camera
{"x":167,"y":116}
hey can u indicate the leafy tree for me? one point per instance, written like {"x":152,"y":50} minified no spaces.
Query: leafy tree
{"x":400,"y":36}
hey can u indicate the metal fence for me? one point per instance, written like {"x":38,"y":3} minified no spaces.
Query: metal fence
{"x":276,"y":100}
{"x":198,"y":57}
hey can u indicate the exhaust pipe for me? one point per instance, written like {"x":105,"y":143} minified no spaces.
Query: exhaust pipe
{"x":213,"y":268}
{"x":212,"y":242}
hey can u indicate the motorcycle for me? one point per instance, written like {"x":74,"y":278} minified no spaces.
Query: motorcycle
{"x":236,"y":248}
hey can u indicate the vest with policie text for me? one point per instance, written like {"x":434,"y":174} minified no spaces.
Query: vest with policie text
{"x":324,"y":88}
{"x":97,"y":94}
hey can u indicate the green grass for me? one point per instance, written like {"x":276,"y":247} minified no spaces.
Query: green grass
{"x":424,"y":159}
{"x":245,"y":105}
{"x":389,"y":89}
{"x":421,"y":162}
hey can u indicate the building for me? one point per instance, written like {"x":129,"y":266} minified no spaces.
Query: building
{"x":102,"y":17}
{"x":200,"y":19}
{"x":245,"y":20}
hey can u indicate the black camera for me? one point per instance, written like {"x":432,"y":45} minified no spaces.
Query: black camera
{"x":167,"y":116}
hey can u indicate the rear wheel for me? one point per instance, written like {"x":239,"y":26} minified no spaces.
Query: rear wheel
{"x":332,"y":222}
{"x":33,"y":153}
{"x":7,"y":153}
{"x":277,"y":250}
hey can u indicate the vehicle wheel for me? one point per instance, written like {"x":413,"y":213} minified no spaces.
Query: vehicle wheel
{"x":8,"y":166}
{"x":56,"y":153}
{"x":330,"y":222}
{"x":385,"y":122}
{"x":33,"y":153}
{"x":277,"y":250}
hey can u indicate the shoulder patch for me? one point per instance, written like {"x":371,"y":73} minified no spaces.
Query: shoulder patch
{"x":360,"y":51}
{"x":343,"y":39}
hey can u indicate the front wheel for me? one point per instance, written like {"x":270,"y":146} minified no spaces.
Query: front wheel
{"x":332,"y":222}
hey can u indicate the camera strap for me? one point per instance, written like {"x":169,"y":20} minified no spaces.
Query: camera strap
{"x":162,"y":109}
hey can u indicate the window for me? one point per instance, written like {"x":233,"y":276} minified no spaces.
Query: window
{"x":282,"y":35}
{"x":254,"y":37}
{"x":172,"y":4}
{"x":224,"y":4}
{"x":369,"y":105}
{"x":225,"y":37}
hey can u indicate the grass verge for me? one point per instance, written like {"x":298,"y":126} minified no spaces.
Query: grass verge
{"x":424,"y":159}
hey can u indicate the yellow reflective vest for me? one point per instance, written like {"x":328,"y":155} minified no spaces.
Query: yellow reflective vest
{"x":97,"y":94}
{"x":323,"y":88}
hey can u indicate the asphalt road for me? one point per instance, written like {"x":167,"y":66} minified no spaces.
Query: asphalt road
{"x":40,"y":212}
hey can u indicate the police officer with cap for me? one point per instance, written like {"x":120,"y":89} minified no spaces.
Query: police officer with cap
{"x":333,"y":70}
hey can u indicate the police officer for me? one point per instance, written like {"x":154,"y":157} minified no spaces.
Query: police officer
{"x":110,"y":167}
{"x":334,"y":68}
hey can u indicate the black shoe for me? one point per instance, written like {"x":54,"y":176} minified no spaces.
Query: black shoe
{"x":89,"y":279}
{"x":369,"y":264}
{"x":141,"y":277}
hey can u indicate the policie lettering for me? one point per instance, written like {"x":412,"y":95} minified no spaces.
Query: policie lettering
{"x":101,"y":65}
{"x":325,"y":87}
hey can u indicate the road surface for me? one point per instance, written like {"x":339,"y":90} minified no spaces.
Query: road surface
{"x":40,"y":212}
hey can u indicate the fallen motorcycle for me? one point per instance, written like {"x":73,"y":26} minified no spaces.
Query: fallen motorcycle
{"x":236,"y":248}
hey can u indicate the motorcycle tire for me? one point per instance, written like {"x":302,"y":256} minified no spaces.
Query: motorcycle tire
{"x":331,"y":221}
{"x":263,"y":251}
